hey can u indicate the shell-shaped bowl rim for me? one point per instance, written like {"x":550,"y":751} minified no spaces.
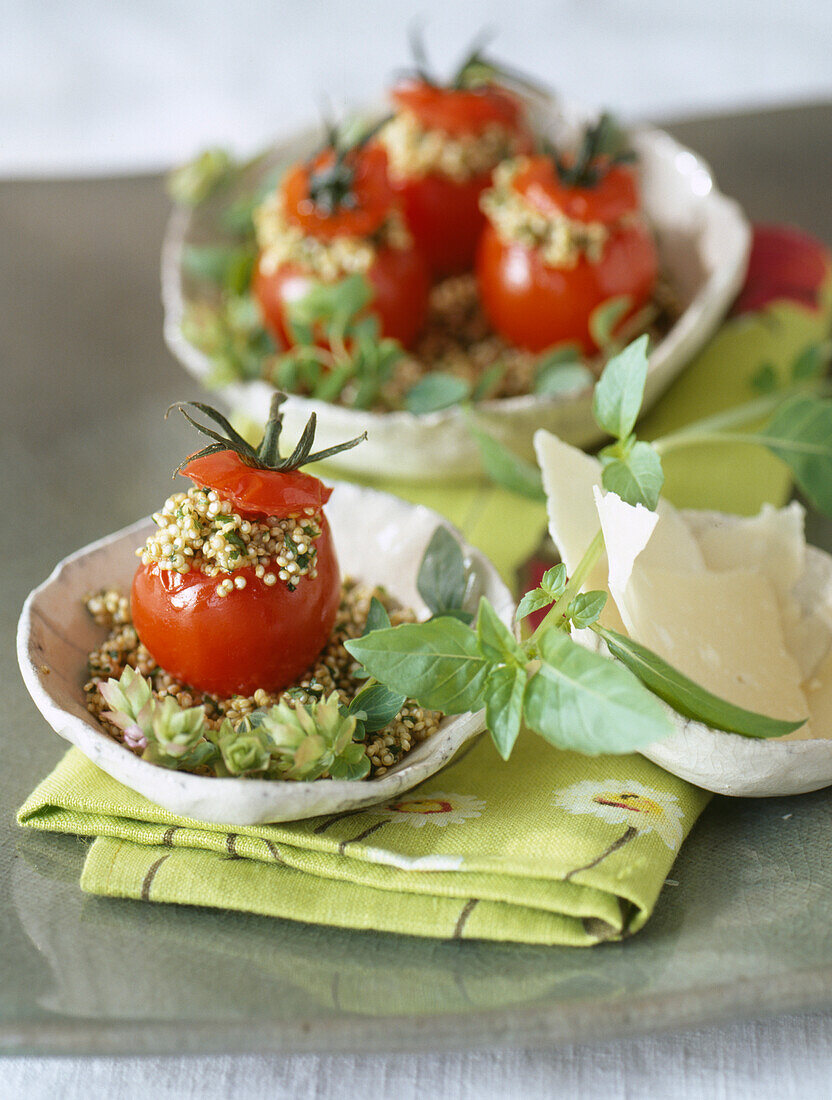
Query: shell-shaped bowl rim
{"x":249,"y":801}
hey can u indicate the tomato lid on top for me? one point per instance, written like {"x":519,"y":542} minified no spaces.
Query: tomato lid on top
{"x":256,"y":491}
{"x":339,"y":193}
{"x":458,"y":111}
{"x":609,"y":198}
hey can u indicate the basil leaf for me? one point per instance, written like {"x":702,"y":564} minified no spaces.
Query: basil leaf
{"x":438,"y":663}
{"x":442,"y":579}
{"x":554,"y":580}
{"x":377,"y":617}
{"x":379,"y":704}
{"x":582,"y":701}
{"x":325,"y":301}
{"x":810,"y":363}
{"x":558,"y":378}
{"x":585,"y":608}
{"x":637,"y":477}
{"x":617,"y":399}
{"x":495,"y":638}
{"x":504,"y":706}
{"x":531,"y":602}
{"x":507,"y":469}
{"x":686,"y":696}
{"x":800,"y":434}
{"x":436,"y":391}
{"x":226,"y":266}
{"x":488,"y":381}
{"x":604,"y":319}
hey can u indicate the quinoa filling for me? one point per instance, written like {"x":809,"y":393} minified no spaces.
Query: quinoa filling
{"x":334,"y":671}
{"x":414,"y":152}
{"x":199,"y":530}
{"x":561,"y":240}
{"x":280,"y":242}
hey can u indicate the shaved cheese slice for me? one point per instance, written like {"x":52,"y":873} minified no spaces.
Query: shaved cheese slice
{"x":723,"y":631}
{"x":771,"y":543}
{"x":627,"y":531}
{"x":658,"y":539}
{"x":569,"y":477}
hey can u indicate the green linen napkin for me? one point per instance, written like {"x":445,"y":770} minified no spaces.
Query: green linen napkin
{"x":551,"y":848}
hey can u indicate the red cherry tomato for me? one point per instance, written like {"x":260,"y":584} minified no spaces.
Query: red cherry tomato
{"x":444,"y":214}
{"x":256,"y":492}
{"x":399,"y":277}
{"x":445,"y":219}
{"x":400,"y":283}
{"x":458,"y":111}
{"x":534,"y":305}
{"x":259,"y":636}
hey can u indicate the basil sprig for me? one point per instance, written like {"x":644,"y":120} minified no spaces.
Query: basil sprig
{"x":573,"y":697}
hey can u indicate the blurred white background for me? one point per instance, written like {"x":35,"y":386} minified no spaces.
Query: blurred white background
{"x":102,"y":86}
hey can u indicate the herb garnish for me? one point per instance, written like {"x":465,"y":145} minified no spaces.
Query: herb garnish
{"x":602,"y":145}
{"x":573,"y":697}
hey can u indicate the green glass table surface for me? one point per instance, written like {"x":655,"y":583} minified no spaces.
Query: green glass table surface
{"x":743,"y":927}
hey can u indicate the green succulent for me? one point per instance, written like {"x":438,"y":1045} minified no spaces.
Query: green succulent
{"x":314,"y":740}
{"x":191,"y":184}
{"x":175,"y":729}
{"x":131,"y":706}
{"x":245,"y":750}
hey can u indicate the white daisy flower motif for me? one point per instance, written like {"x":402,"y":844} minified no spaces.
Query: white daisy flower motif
{"x":412,"y":863}
{"x":432,"y":808}
{"x":643,"y":809}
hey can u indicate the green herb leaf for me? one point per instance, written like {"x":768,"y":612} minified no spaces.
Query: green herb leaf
{"x":605,"y":318}
{"x":488,"y":381}
{"x":507,"y":469}
{"x":227,"y":266}
{"x":195,"y":181}
{"x":438,"y":663}
{"x":554,"y":580}
{"x":377,"y":617}
{"x":442,"y":580}
{"x":325,"y":301}
{"x":379,"y":705}
{"x":558,"y":378}
{"x":765,"y":379}
{"x":582,"y":701}
{"x":618,"y":395}
{"x":687,"y":697}
{"x":495,"y":638}
{"x":585,"y":608}
{"x":436,"y":391}
{"x":637,"y":478}
{"x":531,"y":602}
{"x":800,"y":433}
{"x":504,"y":706}
{"x":810,"y":363}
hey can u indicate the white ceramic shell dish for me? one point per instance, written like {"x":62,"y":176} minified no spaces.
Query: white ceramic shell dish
{"x":703,"y":240}
{"x":379,"y":539}
{"x":728,"y":763}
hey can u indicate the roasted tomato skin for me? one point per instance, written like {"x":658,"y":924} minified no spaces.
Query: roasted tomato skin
{"x":533,"y":304}
{"x":260,"y":636}
{"x":444,"y":214}
{"x":255,"y":492}
{"x":400,"y":282}
{"x":445,"y":219}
